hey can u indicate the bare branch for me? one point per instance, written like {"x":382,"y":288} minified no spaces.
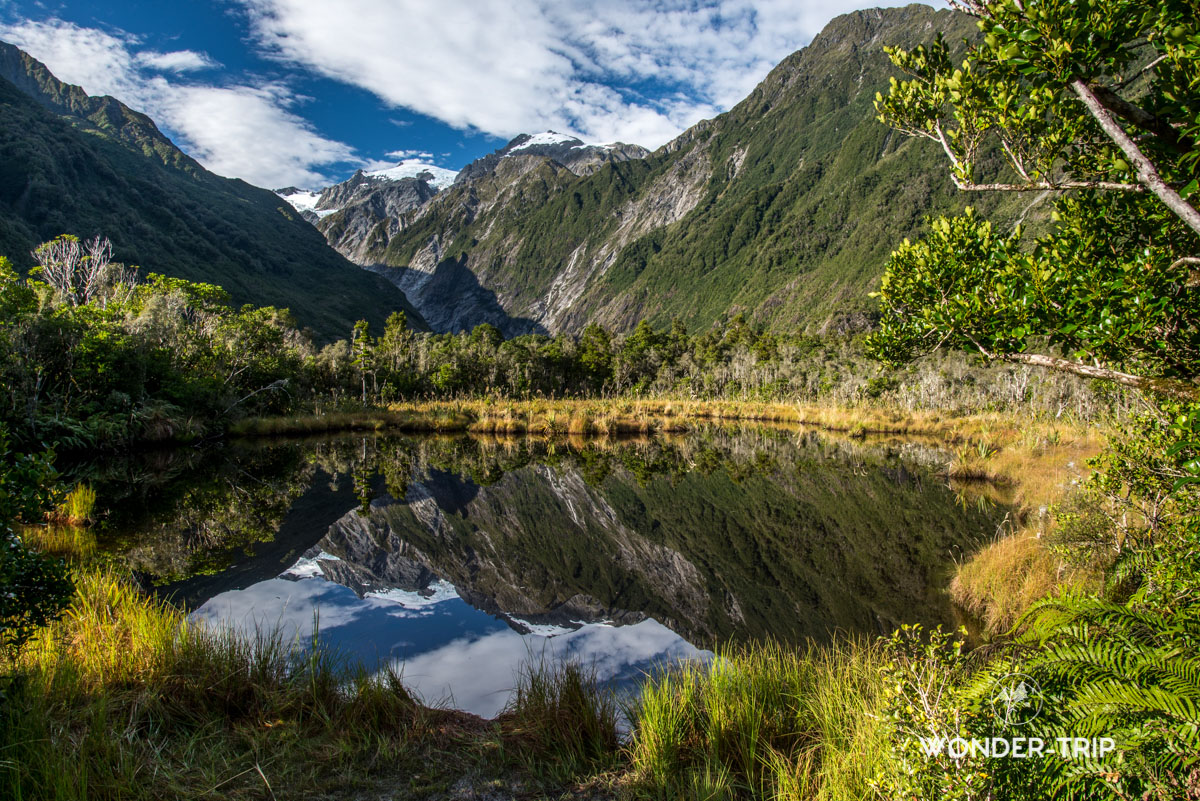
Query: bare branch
{"x":1147,"y":172}
{"x":1017,"y":163}
{"x":1048,"y":186}
{"x":1141,"y":72}
{"x":1173,"y":387}
{"x":279,"y":385}
{"x":96,"y":267}
{"x":60,"y":261}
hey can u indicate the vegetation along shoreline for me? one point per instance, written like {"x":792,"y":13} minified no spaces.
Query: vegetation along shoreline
{"x":676,"y":416}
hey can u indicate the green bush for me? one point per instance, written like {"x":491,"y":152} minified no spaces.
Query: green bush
{"x":34,"y":588}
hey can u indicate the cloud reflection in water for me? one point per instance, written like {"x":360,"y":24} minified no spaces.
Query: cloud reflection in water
{"x":447,"y":651}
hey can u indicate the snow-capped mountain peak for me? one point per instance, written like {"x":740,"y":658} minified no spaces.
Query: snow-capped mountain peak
{"x":547,"y":138}
{"x":437,"y":177}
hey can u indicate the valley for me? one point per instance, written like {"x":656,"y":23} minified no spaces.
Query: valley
{"x":465,"y":463}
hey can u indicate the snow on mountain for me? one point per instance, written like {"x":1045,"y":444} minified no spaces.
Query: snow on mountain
{"x":438,"y":591}
{"x":437,"y":177}
{"x":547,"y":138}
{"x":301,"y":199}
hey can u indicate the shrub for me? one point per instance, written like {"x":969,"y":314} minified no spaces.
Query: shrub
{"x":34,"y":588}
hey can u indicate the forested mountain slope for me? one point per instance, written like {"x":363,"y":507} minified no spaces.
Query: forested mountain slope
{"x":784,"y":208}
{"x":70,"y":163}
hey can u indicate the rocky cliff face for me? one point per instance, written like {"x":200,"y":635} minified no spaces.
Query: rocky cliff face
{"x":362,"y":216}
{"x":366,"y":211}
{"x":567,"y":151}
{"x":784,"y":208}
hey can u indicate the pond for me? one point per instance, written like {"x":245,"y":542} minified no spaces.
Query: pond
{"x":457,"y":560}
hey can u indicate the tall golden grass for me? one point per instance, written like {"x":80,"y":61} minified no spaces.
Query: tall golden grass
{"x":77,"y":507}
{"x":618,"y":416}
{"x":1038,"y":464}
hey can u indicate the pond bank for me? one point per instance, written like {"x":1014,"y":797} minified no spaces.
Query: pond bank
{"x":550,"y":417}
{"x":125,"y":681}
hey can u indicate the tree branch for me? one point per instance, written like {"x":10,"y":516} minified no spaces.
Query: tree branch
{"x":279,"y":385}
{"x":1141,"y":118}
{"x":1193,"y":279}
{"x":1147,"y":172}
{"x":1174,"y":387}
{"x":1050,"y":186}
{"x":1142,"y":71}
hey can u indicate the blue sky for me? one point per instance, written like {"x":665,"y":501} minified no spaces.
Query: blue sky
{"x":303,"y":92}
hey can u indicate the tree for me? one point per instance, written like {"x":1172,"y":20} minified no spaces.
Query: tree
{"x":595,"y":354}
{"x":82,"y":272}
{"x":362,"y":354}
{"x":1097,"y":101}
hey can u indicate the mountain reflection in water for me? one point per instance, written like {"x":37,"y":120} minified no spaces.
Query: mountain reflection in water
{"x":460,"y":559}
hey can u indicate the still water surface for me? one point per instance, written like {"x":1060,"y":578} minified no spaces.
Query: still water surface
{"x":457,"y":559}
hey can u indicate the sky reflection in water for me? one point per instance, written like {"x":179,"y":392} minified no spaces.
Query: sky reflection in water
{"x":448,"y":652}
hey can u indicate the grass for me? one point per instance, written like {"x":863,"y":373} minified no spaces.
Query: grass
{"x":560,"y":722}
{"x":440,"y":419}
{"x":77,"y":507}
{"x":763,"y":721}
{"x":1037,"y":466}
{"x":625,"y":416}
{"x":123,"y":698}
{"x":1006,"y":577}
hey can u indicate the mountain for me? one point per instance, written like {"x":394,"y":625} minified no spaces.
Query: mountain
{"x":362,"y":215}
{"x":566,"y":151}
{"x":738,"y":551}
{"x":72,"y":163}
{"x":784,"y":208}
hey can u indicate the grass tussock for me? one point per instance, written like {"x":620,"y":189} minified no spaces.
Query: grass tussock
{"x":77,"y":507}
{"x":764,"y":721}
{"x":123,"y":698}
{"x":1005,"y":578}
{"x":560,"y":721}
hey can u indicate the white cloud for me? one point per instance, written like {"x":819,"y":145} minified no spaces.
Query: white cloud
{"x":248,"y":132}
{"x":478,"y":673}
{"x":519,"y":66}
{"x":242,"y":130}
{"x":400,"y":155}
{"x":175,"y":61}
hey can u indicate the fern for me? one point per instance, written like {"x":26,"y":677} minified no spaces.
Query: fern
{"x":1116,"y":670}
